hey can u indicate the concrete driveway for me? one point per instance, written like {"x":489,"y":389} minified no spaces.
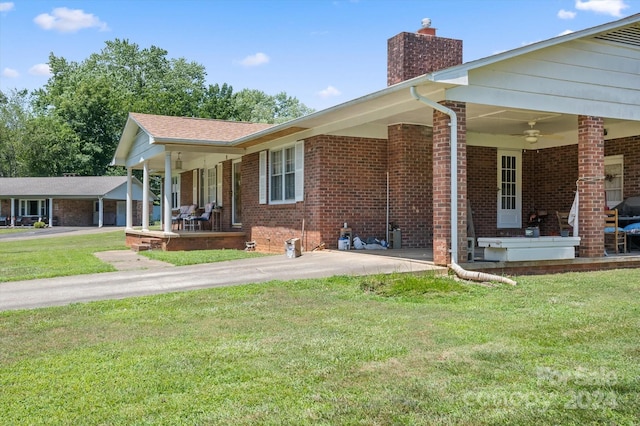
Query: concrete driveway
{"x":118,"y":285}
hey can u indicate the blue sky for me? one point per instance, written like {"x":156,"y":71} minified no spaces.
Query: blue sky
{"x":324,"y":52}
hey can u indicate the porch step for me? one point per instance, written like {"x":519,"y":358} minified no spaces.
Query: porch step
{"x":154,"y":243}
{"x":137,"y":247}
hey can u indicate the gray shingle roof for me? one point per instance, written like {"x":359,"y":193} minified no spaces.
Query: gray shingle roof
{"x":60,"y":187}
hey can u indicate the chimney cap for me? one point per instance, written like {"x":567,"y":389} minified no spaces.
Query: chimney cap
{"x":426,"y":22}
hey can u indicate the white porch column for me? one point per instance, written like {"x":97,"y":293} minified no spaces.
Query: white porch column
{"x":50,"y":212}
{"x":13,"y":212}
{"x":166,"y":200}
{"x":100,"y":212}
{"x":129,"y":222}
{"x":145,"y":197}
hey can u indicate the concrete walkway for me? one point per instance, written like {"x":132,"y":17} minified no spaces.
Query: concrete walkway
{"x":138,"y":282}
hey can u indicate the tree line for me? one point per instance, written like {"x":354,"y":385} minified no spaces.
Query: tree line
{"x":73,"y":123}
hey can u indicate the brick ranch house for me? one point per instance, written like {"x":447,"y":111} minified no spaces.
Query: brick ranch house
{"x":69,"y":200}
{"x":532,"y":126}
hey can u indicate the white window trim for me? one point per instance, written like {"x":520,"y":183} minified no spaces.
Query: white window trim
{"x":175,"y":186}
{"x":23,"y":202}
{"x":298,"y":170}
{"x":262,"y":196}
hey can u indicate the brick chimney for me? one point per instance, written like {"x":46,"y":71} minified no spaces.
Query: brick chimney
{"x":412,"y":54}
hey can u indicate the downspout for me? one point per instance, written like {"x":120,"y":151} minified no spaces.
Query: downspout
{"x":454,"y":167}
{"x":462,"y":273}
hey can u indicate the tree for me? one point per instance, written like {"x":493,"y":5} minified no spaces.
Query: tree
{"x":14,"y":115}
{"x":256,"y":106}
{"x":85,"y":104}
{"x":51,"y":148}
{"x":218,"y":102}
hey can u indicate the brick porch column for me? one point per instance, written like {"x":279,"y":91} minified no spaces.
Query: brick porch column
{"x":442,"y":184}
{"x":591,"y":185}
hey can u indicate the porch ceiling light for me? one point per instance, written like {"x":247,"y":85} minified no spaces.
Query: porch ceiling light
{"x":531,"y":139}
{"x":179,"y":163}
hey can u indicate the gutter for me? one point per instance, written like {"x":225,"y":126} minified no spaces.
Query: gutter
{"x":454,"y":167}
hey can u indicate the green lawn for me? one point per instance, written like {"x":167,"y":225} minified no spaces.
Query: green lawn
{"x":56,"y":256}
{"x":556,"y":349}
{"x":74,"y":255}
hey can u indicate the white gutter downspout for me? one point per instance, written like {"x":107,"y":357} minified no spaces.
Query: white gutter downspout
{"x":462,"y":273}
{"x":454,"y":167}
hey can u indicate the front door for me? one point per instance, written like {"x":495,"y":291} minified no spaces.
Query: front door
{"x":509,"y":189}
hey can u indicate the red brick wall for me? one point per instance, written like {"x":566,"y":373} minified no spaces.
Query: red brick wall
{"x":410,"y":149}
{"x":186,"y":188}
{"x":482,"y":181}
{"x":629,"y":148}
{"x":74,"y":212}
{"x":549,"y":183}
{"x":410,"y":55}
{"x":345,"y":181}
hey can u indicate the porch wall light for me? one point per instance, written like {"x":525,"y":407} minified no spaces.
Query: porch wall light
{"x":179,"y":163}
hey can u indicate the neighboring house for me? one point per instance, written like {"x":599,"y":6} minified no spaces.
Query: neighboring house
{"x":70,"y":201}
{"x":533,"y":126}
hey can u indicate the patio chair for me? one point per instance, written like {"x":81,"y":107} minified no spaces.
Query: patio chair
{"x":563,"y":224}
{"x":205,"y":218}
{"x":184,"y":213}
{"x":613,"y":234}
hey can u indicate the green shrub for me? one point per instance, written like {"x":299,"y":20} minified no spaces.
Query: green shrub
{"x":39,"y":224}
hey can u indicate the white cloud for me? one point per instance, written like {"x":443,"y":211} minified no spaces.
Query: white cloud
{"x":329,"y":92}
{"x":255,"y":60}
{"x":565,"y":32}
{"x":5,"y":7}
{"x":566,"y":14}
{"x":605,"y":7}
{"x":10,"y":73}
{"x":40,"y":69}
{"x":67,"y":20}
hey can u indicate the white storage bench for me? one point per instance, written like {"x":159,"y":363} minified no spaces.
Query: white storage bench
{"x":510,"y":249}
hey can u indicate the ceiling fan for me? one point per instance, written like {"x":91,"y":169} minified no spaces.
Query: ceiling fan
{"x":531,"y":135}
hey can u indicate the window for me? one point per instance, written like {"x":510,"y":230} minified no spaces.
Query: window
{"x":32,"y":208}
{"x":175,"y":192}
{"x":613,"y":179}
{"x":211,"y":185}
{"x":285,"y":174}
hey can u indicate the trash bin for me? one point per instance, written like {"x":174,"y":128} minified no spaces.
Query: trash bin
{"x":292,"y":248}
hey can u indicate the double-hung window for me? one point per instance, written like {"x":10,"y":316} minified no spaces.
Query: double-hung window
{"x":283,"y":175}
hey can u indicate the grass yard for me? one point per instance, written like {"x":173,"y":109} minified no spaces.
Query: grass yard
{"x":74,"y":255}
{"x":196,"y":257}
{"x":55,"y":257}
{"x":556,"y":349}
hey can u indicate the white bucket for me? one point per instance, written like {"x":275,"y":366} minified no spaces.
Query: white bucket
{"x":343,"y":244}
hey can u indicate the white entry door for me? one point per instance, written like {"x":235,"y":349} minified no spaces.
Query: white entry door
{"x":509,"y":189}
